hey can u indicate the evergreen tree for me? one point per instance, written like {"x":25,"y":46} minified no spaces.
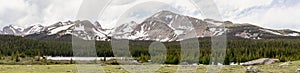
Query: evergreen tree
{"x":71,"y":61}
{"x":12,"y":56}
{"x":39,"y":56}
{"x":17,"y":56}
{"x":104,"y":58}
{"x":1,"y":56}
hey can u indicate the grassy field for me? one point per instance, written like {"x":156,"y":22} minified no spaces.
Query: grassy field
{"x":72,"y":68}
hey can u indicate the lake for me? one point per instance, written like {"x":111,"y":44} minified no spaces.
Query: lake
{"x":82,"y":58}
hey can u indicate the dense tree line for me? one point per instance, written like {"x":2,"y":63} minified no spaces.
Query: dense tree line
{"x":238,"y":50}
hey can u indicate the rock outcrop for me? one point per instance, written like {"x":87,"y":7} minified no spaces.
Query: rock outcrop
{"x":261,"y":61}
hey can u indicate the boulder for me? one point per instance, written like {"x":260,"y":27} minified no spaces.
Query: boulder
{"x":232,"y":63}
{"x":297,"y":70}
{"x":102,"y":64}
{"x":184,"y":63}
{"x":195,"y":64}
{"x":261,"y":61}
{"x":135,"y":62}
{"x":285,"y":64}
{"x":252,"y":69}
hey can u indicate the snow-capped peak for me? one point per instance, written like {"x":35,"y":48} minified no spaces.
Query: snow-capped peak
{"x":34,"y":29}
{"x":17,"y":27}
{"x":12,"y":30}
{"x":162,"y":26}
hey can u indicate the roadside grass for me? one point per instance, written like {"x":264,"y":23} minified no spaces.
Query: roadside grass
{"x":72,"y":68}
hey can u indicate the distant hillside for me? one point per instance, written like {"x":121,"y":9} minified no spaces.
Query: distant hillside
{"x":239,"y":50}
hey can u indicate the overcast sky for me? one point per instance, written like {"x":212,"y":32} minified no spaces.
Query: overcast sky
{"x":275,"y":14}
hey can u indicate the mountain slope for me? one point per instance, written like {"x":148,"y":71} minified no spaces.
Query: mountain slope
{"x":33,"y":29}
{"x":162,"y":26}
{"x":82,"y":29}
{"x":19,"y":31}
{"x":12,"y":30}
{"x":169,"y":26}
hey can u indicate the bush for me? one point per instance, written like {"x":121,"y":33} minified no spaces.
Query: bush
{"x":23,"y":55}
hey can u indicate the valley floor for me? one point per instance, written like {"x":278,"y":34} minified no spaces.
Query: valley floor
{"x":72,"y":68}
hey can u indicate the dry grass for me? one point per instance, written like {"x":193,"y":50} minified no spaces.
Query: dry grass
{"x":273,"y":68}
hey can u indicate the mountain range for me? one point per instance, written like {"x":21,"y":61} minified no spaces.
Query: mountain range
{"x":163,"y":26}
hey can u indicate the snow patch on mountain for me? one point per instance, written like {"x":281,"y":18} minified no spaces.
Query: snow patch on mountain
{"x":163,"y":26}
{"x":272,"y":32}
{"x":12,"y":30}
{"x":34,"y":29}
{"x":17,"y":28}
{"x":179,"y":32}
{"x":293,"y":34}
{"x":217,"y":32}
{"x":80,"y":27}
{"x":216,"y":23}
{"x":56,"y":30}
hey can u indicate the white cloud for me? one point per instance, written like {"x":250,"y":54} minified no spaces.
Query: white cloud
{"x":113,"y":12}
{"x":232,"y":8}
{"x":61,"y":10}
{"x":28,"y":12}
{"x":275,"y":14}
{"x":279,"y":17}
